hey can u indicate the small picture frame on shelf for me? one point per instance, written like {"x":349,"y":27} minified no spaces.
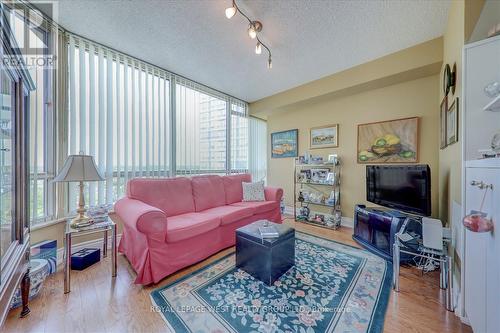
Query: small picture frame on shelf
{"x":301,"y":160}
{"x":333,"y":159}
{"x":319,"y":175}
{"x":330,"y":178}
{"x":316,"y":160}
{"x":305,"y":175}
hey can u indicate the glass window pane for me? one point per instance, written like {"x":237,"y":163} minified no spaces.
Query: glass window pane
{"x":200,"y":131}
{"x":6,"y":170}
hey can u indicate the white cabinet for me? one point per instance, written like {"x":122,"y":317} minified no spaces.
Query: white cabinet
{"x":481,"y":67}
{"x":482,"y":250}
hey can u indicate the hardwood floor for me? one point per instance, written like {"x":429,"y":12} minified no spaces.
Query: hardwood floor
{"x":97,"y":303}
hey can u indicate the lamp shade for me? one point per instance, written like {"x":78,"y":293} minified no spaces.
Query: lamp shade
{"x":78,"y":168}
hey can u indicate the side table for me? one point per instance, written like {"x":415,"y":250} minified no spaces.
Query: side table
{"x":104,"y":227}
{"x":445,"y":261}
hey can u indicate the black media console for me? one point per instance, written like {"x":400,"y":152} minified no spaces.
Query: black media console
{"x":376,"y":227}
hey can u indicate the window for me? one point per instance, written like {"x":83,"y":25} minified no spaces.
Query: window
{"x":239,"y":137}
{"x":119,"y":112}
{"x":41,"y":120}
{"x":200,"y":131}
{"x":258,"y":148}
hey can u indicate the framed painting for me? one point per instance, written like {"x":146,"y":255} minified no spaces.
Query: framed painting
{"x":452,"y":123}
{"x":285,"y":144}
{"x":324,"y":136}
{"x":392,"y":141}
{"x":443,"y":114}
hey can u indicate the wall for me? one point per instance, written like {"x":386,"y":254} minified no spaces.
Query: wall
{"x":490,"y":15}
{"x":450,"y":158}
{"x":413,"y":98}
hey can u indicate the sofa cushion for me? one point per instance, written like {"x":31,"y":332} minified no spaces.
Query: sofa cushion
{"x":230,"y":214}
{"x":189,"y":225}
{"x":233,"y":186}
{"x":253,"y":191}
{"x":208,"y":192}
{"x":258,"y":206}
{"x":172,"y":195}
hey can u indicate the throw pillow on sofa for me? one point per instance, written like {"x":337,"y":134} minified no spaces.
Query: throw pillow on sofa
{"x":253,"y":191}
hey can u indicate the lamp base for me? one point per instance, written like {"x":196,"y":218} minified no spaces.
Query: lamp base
{"x":81,"y":222}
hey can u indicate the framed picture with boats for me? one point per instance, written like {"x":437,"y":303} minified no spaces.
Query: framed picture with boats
{"x":285,"y":144}
{"x":324,"y":136}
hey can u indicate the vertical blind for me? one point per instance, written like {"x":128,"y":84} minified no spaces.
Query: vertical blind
{"x":119,"y":112}
{"x":201,"y":137}
{"x":239,"y":137}
{"x":258,"y":149}
{"x":141,"y":121}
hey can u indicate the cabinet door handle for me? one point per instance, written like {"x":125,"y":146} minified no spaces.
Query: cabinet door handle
{"x":481,"y":185}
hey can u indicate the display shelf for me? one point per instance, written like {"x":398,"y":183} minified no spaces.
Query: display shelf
{"x":318,"y":204}
{"x":313,"y":183}
{"x":318,"y":224}
{"x":314,"y":165}
{"x":306,"y":178}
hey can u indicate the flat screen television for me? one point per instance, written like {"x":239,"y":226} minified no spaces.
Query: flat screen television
{"x":402,"y":187}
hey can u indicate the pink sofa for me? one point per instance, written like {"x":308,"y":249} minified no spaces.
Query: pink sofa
{"x":172,"y":223}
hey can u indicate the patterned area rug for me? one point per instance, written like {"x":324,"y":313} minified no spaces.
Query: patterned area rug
{"x":332,"y":288}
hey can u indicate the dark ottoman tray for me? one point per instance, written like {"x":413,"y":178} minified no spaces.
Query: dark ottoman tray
{"x":265,"y":259}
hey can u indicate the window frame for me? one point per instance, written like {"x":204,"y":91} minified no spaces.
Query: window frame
{"x":49,"y":135}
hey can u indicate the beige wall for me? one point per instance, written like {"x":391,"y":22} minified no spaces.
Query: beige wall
{"x":414,"y":98}
{"x":450,"y":165}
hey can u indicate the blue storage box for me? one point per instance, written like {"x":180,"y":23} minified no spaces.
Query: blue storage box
{"x":85,"y":258}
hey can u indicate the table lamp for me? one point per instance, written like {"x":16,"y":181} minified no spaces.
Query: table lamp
{"x":79,"y":168}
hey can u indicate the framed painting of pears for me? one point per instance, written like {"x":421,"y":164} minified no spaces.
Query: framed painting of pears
{"x":393,"y":141}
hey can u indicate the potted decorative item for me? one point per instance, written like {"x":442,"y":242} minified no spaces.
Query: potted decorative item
{"x":337,"y":218}
{"x":39,"y":270}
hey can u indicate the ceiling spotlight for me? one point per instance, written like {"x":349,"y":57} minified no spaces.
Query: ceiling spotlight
{"x":231,"y":11}
{"x":254,"y":28}
{"x":258,"y":48}
{"x":269,"y":63}
{"x":251,"y":31}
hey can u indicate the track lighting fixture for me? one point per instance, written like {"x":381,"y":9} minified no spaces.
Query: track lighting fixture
{"x":254,"y":27}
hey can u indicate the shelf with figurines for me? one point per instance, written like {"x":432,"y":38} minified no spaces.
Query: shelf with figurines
{"x":317,"y":184}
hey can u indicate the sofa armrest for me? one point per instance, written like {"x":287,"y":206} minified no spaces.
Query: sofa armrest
{"x":142,"y":217}
{"x":273,"y":193}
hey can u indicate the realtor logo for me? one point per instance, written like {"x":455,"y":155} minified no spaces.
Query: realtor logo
{"x":33,"y":36}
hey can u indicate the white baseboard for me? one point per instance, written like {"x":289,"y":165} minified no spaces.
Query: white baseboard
{"x":289,"y":210}
{"x":347,"y":222}
{"x":95,"y":243}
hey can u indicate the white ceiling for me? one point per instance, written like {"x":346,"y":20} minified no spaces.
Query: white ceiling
{"x":309,"y":39}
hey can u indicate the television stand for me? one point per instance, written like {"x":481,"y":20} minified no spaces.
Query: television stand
{"x":375,"y":229}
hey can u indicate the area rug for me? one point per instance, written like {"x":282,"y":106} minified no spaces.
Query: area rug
{"x":332,"y":288}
